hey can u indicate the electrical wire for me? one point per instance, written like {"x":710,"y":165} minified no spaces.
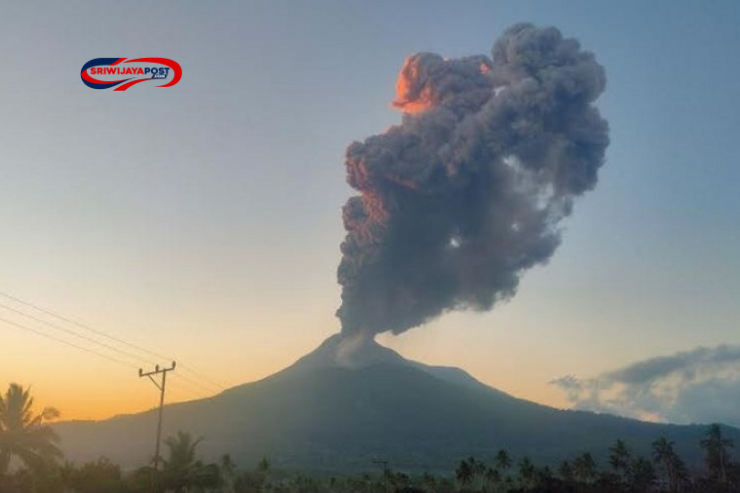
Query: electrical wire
{"x":67,"y":343}
{"x":75,"y":334}
{"x":100,"y":333}
{"x":208,"y":392}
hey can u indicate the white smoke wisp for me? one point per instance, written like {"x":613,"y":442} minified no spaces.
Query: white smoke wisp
{"x":350,"y":348}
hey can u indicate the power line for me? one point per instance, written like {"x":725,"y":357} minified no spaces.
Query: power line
{"x":202,"y":377}
{"x":207,"y":393}
{"x":185,"y":393}
{"x":193,"y":383}
{"x":75,"y":334}
{"x":82,"y":326}
{"x":107,"y":346}
{"x":67,"y":343}
{"x":192,"y":371}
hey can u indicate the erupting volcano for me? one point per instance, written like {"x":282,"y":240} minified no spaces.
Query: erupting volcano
{"x":455,"y":203}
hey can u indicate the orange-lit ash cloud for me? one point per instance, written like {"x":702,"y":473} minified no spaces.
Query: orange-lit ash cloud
{"x":415,"y":89}
{"x":413,"y":95}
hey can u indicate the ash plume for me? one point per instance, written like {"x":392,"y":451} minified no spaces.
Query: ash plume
{"x":469,"y":190}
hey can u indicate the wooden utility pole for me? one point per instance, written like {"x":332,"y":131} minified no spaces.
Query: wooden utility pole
{"x":161,"y":386}
{"x":386,"y":472}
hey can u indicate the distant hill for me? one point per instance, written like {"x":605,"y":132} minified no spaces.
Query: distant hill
{"x":349,"y":402}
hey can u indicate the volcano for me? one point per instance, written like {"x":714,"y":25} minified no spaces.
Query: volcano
{"x":352,"y":401}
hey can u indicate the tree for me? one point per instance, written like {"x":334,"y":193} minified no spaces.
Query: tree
{"x":228,"y":473}
{"x":464,"y":473}
{"x":479,"y":472}
{"x":584,"y":467}
{"x":620,"y":460}
{"x":140,"y":480}
{"x":502,"y":460}
{"x":619,"y":457}
{"x":264,"y":466}
{"x":565,"y":470}
{"x":94,"y":477}
{"x":45,"y":479}
{"x":716,"y":448}
{"x":491,"y":478}
{"x":641,"y":475}
{"x":526,"y":472}
{"x":182,"y":470}
{"x":24,"y":434}
{"x":248,"y":482}
{"x":428,"y":481}
{"x":673,"y":467}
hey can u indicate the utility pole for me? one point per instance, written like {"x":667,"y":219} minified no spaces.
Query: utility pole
{"x":161,"y":386}
{"x":386,"y":472}
{"x":384,"y":463}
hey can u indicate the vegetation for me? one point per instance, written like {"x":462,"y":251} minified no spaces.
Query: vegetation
{"x":182,"y":471}
{"x":25,"y":437}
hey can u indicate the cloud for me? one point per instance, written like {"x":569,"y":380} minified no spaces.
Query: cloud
{"x":697,"y":386}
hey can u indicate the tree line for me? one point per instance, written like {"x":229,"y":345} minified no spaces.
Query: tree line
{"x":31,"y":461}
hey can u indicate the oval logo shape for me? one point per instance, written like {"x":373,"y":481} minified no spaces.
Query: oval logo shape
{"x":121,"y":73}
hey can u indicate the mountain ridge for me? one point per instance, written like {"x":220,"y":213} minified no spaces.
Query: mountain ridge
{"x":347,"y":402}
{"x":365,"y":352}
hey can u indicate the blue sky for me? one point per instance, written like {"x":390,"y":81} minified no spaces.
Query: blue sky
{"x":203,"y":221}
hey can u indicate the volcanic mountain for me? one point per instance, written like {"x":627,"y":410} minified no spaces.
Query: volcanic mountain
{"x":352,"y":401}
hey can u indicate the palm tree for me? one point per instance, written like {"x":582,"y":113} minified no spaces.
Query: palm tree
{"x":491,"y":478}
{"x":641,"y":475}
{"x":526,"y":472}
{"x":479,"y":472}
{"x":717,"y":453}
{"x":24,"y":434}
{"x":584,"y":467}
{"x":182,"y":470}
{"x":228,"y":473}
{"x":665,"y":455}
{"x":464,"y":473}
{"x":264,"y":469}
{"x":502,"y":460}
{"x":620,"y":459}
{"x":565,"y":470}
{"x":428,"y":481}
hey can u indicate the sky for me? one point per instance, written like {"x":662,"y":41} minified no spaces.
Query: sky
{"x":202,"y":222}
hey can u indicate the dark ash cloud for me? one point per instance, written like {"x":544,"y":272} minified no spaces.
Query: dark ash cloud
{"x":697,"y":386}
{"x":468,"y":192}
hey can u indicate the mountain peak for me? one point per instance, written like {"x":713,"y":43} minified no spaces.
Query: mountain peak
{"x":361,"y":351}
{"x":352,"y":352}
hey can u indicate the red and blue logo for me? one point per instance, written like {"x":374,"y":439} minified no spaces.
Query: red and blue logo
{"x":139,"y":70}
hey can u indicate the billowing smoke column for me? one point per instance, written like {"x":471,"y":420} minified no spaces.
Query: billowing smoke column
{"x":468,"y":191}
